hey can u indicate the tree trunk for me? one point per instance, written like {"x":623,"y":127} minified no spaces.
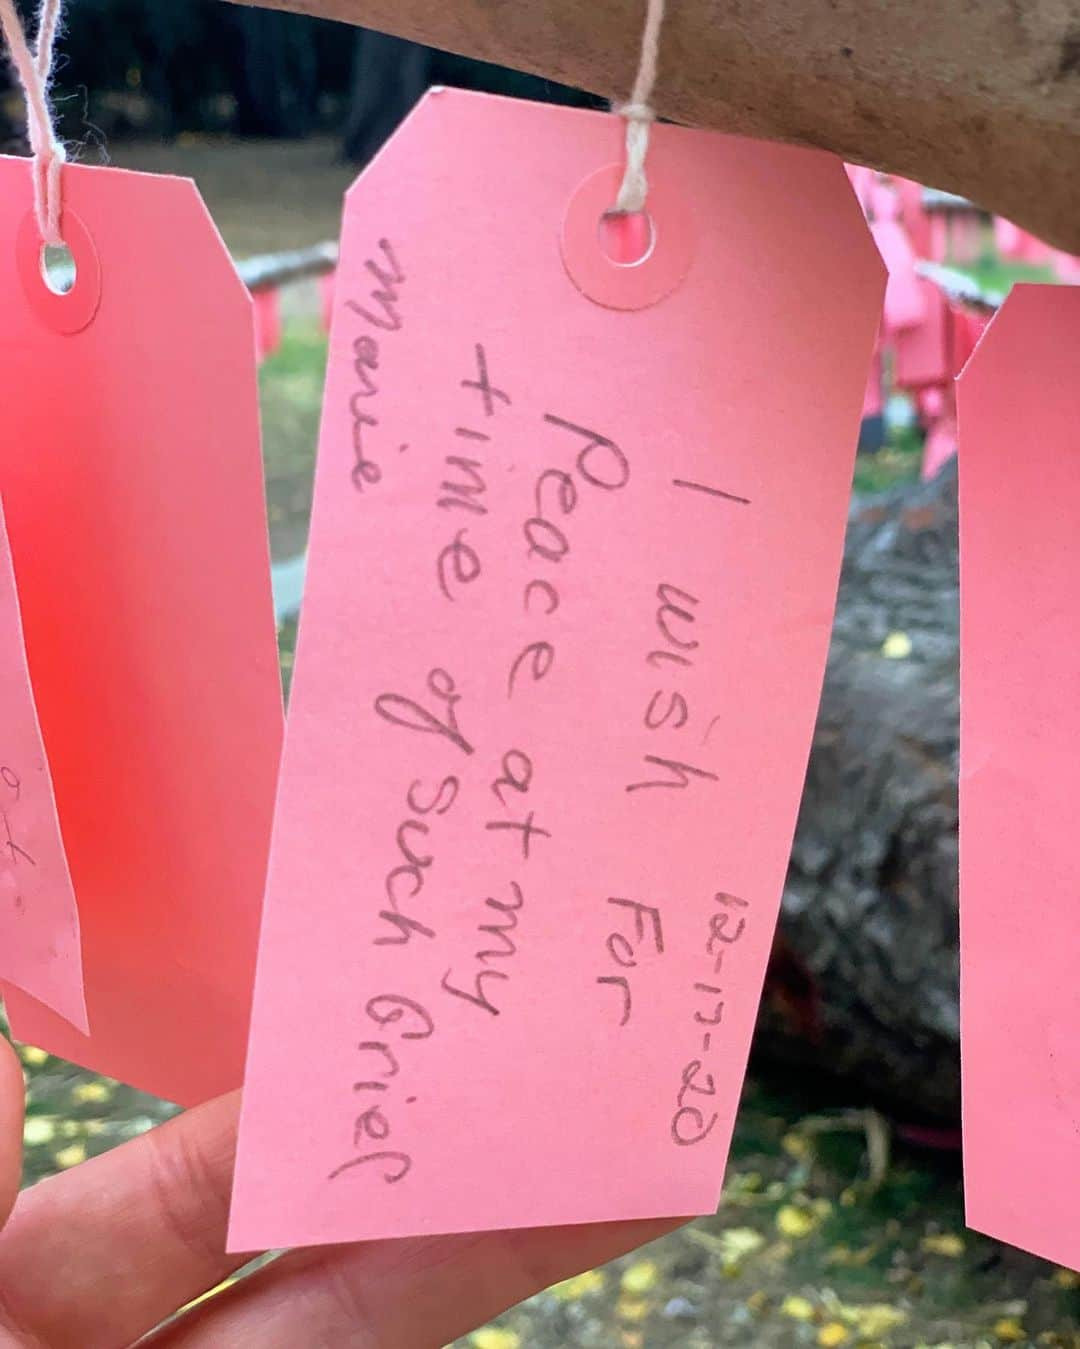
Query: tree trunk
{"x":864,"y":980}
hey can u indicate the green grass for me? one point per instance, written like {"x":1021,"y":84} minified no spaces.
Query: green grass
{"x":998,"y":274}
{"x":290,"y":392}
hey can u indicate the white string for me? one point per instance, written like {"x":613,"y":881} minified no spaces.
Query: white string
{"x":34,"y":70}
{"x":639,"y":114}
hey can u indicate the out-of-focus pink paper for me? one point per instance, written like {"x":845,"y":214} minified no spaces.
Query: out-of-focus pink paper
{"x":913,"y":214}
{"x":132,"y":485}
{"x":327,"y":282}
{"x":266,"y":306}
{"x":39,"y":922}
{"x":572,"y":576}
{"x":1019,"y":400}
{"x":923,"y":354}
{"x":873,"y":399}
{"x":905,"y":305}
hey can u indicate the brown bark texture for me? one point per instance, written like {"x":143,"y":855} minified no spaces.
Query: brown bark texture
{"x":980,"y":97}
{"x":864,"y":983}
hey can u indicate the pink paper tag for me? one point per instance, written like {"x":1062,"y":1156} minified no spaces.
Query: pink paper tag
{"x":132,"y":485}
{"x":573,"y":564}
{"x":39,"y":923}
{"x":266,"y":305}
{"x":905,"y":303}
{"x":923,"y":355}
{"x":1019,"y":400}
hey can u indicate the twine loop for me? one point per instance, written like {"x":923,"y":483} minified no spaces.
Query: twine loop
{"x":639,"y":114}
{"x":34,"y":71}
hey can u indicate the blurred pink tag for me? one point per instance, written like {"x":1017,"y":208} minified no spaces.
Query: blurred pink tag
{"x":132,"y":485}
{"x":39,"y":922}
{"x":1019,"y":400}
{"x":573,"y":564}
{"x":905,"y":304}
{"x":266,"y":307}
{"x":923,"y":354}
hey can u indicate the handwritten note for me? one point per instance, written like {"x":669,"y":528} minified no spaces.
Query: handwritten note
{"x":573,"y":567}
{"x":39,"y":923}
{"x":132,"y":485}
{"x":1019,"y":405}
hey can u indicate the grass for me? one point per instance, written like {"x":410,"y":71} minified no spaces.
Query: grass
{"x":898,"y":461}
{"x":290,"y":392}
{"x":998,"y":275}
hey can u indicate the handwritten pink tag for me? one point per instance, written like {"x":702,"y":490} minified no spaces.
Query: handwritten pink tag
{"x":1019,"y":401}
{"x":39,"y":923}
{"x":132,"y":485}
{"x":573,"y":564}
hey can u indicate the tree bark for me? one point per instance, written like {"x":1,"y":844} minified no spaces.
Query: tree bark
{"x":864,"y":983}
{"x":981,"y":98}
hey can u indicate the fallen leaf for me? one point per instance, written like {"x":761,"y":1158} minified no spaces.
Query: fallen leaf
{"x":70,"y":1156}
{"x":897,"y":646}
{"x":944,"y":1243}
{"x":494,"y":1337}
{"x":581,"y":1285}
{"x":798,"y":1308}
{"x":793,"y":1221}
{"x":85,"y":1092}
{"x":640,"y":1277}
{"x":39,"y":1129}
{"x":633,"y":1309}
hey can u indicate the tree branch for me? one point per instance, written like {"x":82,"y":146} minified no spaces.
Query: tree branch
{"x":981,"y":98}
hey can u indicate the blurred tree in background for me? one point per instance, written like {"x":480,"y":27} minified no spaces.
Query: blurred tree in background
{"x":166,"y":67}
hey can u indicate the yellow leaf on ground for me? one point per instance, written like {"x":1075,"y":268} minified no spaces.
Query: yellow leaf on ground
{"x":85,"y":1092}
{"x":736,"y":1244}
{"x":33,"y":1056}
{"x":494,"y":1337}
{"x":633,"y":1309}
{"x":793,"y":1221}
{"x":944,"y":1243}
{"x":70,"y":1156}
{"x":1009,"y":1329}
{"x":640,"y":1277}
{"x":798,"y":1308}
{"x":874,"y":1320}
{"x":39,"y":1129}
{"x":795,"y":1144}
{"x":591,"y":1281}
{"x":832,"y":1334}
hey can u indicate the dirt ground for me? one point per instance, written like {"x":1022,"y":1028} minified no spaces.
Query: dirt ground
{"x":266,"y":196}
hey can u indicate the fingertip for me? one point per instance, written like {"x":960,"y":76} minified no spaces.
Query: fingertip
{"x":12,"y":1091}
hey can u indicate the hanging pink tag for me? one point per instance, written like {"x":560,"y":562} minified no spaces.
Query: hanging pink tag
{"x":39,"y":922}
{"x":1019,"y":400}
{"x":132,"y":485}
{"x":266,"y":304}
{"x":905,"y":304}
{"x":923,"y":354}
{"x":573,"y":563}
